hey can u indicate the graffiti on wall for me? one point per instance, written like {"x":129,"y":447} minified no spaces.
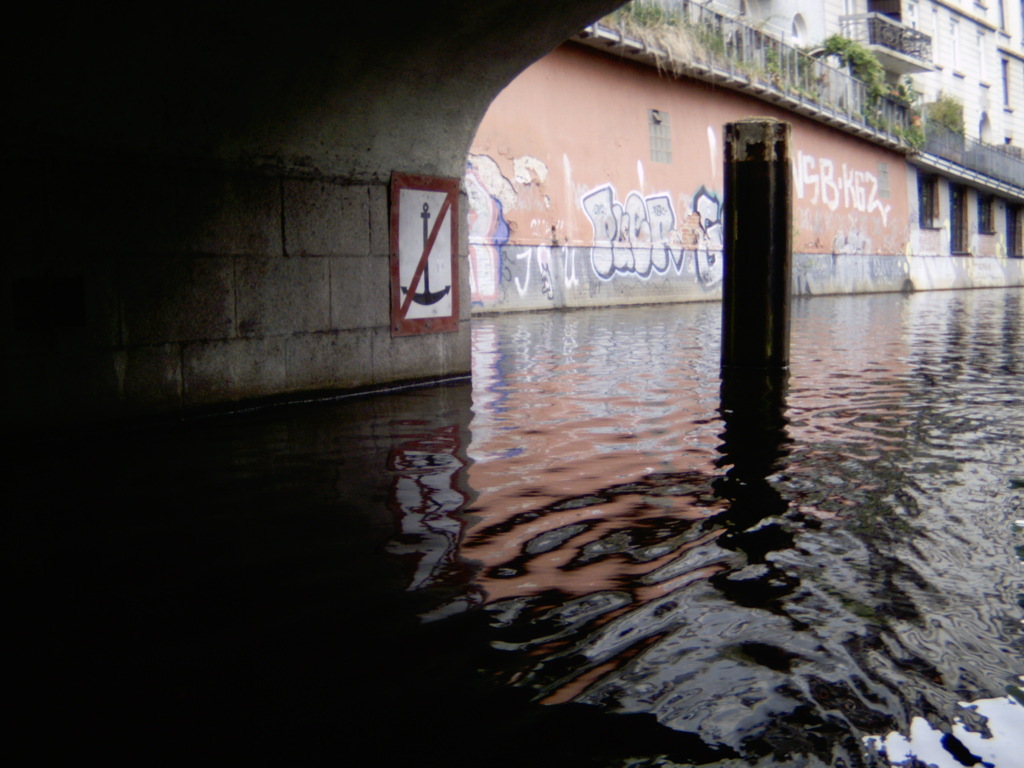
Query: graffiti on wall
{"x":852,"y":241}
{"x":821,"y":273}
{"x":640,"y":238}
{"x":543,"y":277}
{"x":818,"y":181}
{"x":490,"y":194}
{"x":426,"y":492}
{"x":636,"y":239}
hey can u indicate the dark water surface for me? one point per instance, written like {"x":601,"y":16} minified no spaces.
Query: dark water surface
{"x":596,"y":555}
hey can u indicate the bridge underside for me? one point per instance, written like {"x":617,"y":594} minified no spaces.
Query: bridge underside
{"x":201,"y":209}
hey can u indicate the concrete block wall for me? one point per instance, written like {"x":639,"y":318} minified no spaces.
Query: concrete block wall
{"x":161,"y":289}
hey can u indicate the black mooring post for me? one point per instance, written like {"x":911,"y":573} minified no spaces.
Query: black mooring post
{"x":758,"y":249}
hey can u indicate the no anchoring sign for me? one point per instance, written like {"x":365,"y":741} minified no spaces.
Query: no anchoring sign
{"x":424,"y":263}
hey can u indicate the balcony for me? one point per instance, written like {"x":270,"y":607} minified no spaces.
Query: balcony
{"x":999,"y":162}
{"x":899,"y":48}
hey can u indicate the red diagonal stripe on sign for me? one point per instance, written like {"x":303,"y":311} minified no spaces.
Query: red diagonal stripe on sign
{"x":422,"y":265}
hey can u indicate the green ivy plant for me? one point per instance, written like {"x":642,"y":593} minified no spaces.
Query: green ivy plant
{"x":863,"y":64}
{"x":685,"y":40}
{"x":947,"y":111}
{"x":645,"y":15}
{"x":905,"y":91}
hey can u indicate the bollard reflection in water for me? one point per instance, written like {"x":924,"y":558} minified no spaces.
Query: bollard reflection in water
{"x":791,"y":598}
{"x":753,"y":412}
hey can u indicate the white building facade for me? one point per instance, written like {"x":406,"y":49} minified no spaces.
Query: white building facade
{"x":969,"y":197}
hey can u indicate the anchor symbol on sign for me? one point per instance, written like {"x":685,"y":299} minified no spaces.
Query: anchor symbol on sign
{"x":426,"y":296}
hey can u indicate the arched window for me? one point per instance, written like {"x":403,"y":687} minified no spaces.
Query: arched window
{"x":799,"y":30}
{"x":985,"y":129}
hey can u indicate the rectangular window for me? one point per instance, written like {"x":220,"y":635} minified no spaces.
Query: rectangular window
{"x":883,"y":180}
{"x":910,"y":17}
{"x":661,"y":136}
{"x":927,"y":201}
{"x":986,"y":216}
{"x":957,"y":219}
{"x":982,"y":59}
{"x":1014,"y":235}
{"x":954,"y":41}
{"x":1006,"y":82}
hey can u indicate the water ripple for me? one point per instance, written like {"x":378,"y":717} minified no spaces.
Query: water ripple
{"x":792,"y":590}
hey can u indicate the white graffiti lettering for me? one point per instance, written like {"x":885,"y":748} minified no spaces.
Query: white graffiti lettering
{"x":816,"y":178}
{"x":642,"y":238}
{"x":488,"y":230}
{"x":569,"y":269}
{"x":543,"y":255}
{"x":524,"y":286}
{"x":874,"y":204}
{"x":829,"y":188}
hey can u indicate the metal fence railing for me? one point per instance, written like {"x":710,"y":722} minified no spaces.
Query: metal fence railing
{"x":877,"y":29}
{"x":749,"y":53}
{"x":764,"y":62}
{"x":998,"y":162}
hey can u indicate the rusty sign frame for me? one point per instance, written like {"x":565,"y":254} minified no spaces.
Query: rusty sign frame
{"x":407,"y":298}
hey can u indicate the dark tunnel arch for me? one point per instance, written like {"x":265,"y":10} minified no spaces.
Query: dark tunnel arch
{"x":312,"y":85}
{"x":202,"y":194}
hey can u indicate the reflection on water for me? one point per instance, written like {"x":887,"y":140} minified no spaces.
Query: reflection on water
{"x":998,"y":743}
{"x":782,"y":568}
{"x":598,"y":555}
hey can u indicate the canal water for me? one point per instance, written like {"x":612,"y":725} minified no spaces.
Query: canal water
{"x":596,"y":553}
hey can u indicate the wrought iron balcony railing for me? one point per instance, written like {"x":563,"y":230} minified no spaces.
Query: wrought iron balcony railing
{"x":878,"y":29}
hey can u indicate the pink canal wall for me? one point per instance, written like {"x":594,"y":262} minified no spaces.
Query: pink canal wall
{"x":568,"y":207}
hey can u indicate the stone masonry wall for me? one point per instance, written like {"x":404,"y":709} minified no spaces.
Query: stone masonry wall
{"x":158,"y":289}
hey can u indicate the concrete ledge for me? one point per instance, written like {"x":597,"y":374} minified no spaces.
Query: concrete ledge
{"x":828,"y":274}
{"x":328,"y":361}
{"x":225,"y":371}
{"x":540,"y":277}
{"x":948,"y":272}
{"x":419,"y":357}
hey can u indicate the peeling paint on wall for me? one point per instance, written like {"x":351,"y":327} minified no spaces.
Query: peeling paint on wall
{"x":529,"y":170}
{"x":489,"y":194}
